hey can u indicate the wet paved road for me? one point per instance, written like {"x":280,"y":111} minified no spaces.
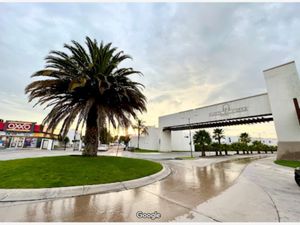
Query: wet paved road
{"x":176,"y":195}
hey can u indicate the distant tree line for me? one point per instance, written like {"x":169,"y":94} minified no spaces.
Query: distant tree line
{"x":203,"y":142}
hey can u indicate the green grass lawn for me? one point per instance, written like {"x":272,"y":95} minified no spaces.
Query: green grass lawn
{"x":288,"y":163}
{"x":62,"y":171}
{"x":144,"y":150}
{"x":186,"y":157}
{"x":180,"y":151}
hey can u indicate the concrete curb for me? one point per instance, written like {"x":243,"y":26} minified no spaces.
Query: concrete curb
{"x":16,"y":195}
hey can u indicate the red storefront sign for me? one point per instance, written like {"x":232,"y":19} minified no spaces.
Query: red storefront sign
{"x":19,"y":126}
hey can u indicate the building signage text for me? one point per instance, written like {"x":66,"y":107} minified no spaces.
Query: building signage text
{"x":227,"y":110}
{"x":19,"y":126}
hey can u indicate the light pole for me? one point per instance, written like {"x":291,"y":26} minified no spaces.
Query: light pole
{"x":74,"y":141}
{"x":190,"y":137}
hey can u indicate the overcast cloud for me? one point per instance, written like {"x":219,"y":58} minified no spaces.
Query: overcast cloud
{"x":191,"y":54}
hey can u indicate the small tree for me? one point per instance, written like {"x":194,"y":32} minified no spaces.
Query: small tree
{"x":245,"y":139}
{"x":125,"y":140}
{"x":202,"y":138}
{"x":105,"y":137}
{"x":141,"y":128}
{"x":115,"y":138}
{"x":66,"y":140}
{"x":216,"y":147}
{"x":257,"y":146}
{"x":238,"y":146}
{"x":218,"y":135}
{"x":235,"y":147}
{"x":225,"y":148}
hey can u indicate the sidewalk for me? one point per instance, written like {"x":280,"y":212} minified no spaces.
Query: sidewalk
{"x":264,"y":192}
{"x":8,"y":154}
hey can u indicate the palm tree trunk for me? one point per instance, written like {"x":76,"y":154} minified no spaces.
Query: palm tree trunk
{"x":91,"y":133}
{"x":219,"y":141}
{"x":138,"y":144}
{"x":203,"y":151}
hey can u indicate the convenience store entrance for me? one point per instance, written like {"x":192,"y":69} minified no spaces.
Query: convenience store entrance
{"x":17,"y":142}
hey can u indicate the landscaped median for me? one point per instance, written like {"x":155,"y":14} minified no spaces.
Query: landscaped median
{"x":288,"y":163}
{"x":140,"y":150}
{"x":67,"y":176}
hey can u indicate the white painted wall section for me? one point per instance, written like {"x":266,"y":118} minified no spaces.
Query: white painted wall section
{"x":283,"y":85}
{"x":150,"y":141}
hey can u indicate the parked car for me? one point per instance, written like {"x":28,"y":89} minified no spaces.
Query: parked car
{"x":297,"y":175}
{"x":103,"y":147}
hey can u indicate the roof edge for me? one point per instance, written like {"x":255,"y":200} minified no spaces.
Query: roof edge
{"x":279,"y":66}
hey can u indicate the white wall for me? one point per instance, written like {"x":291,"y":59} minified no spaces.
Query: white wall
{"x":244,"y":107}
{"x":266,"y":141}
{"x":180,"y":140}
{"x":47,"y":144}
{"x":283,"y":85}
{"x":150,"y":141}
{"x":233,"y":139}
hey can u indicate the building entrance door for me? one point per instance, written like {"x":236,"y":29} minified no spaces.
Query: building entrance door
{"x":17,"y":142}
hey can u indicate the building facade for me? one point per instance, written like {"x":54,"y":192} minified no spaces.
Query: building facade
{"x":22,"y":134}
{"x":180,"y":140}
{"x":279,"y":104}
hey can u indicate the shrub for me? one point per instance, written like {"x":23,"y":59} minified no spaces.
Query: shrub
{"x":237,"y":147}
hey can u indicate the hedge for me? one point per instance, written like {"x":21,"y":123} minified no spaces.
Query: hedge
{"x":238,"y":148}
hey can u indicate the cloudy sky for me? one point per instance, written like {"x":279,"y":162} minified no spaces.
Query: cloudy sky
{"x":191,"y":54}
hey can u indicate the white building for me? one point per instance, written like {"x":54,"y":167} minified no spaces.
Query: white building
{"x":181,"y":139}
{"x":150,"y":141}
{"x":279,"y":104}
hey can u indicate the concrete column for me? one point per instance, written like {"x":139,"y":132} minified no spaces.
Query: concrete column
{"x":283,"y":85}
{"x":165,"y":144}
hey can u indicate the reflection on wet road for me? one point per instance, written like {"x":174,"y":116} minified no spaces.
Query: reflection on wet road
{"x":176,"y":195}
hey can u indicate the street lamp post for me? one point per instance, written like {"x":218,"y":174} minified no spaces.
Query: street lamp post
{"x":74,"y":141}
{"x":190,"y":138}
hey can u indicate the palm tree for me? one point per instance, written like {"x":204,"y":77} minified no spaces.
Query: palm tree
{"x":218,"y":134}
{"x":202,"y":138}
{"x":245,"y":139}
{"x":87,"y":84}
{"x":141,"y":128}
